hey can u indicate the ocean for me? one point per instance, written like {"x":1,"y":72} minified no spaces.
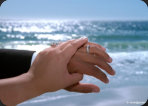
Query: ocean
{"x":126,"y":43}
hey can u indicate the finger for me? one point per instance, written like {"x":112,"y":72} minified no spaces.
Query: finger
{"x":105,"y":66}
{"x":63,"y":44}
{"x":92,"y":70}
{"x":100,"y":52}
{"x":97,"y":51}
{"x":95,"y":44}
{"x":83,"y":88}
{"x":99,"y":62}
{"x":74,"y":78}
{"x":72,"y":47}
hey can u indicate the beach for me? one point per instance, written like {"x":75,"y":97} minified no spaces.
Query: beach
{"x":126,"y":43}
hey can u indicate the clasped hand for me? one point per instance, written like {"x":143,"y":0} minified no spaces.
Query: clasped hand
{"x":63,"y":66}
{"x":59,"y":67}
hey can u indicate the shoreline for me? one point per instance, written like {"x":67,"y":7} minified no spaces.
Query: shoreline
{"x":122,"y":96}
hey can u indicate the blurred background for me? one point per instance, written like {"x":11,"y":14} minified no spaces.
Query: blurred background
{"x":121,"y":26}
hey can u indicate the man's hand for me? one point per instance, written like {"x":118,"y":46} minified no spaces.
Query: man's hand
{"x":49,"y":70}
{"x":84,"y":63}
{"x":48,"y":73}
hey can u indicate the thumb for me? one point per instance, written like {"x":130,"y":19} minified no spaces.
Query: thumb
{"x":74,"y":78}
{"x":83,"y":88}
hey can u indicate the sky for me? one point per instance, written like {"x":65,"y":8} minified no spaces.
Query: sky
{"x":75,"y":9}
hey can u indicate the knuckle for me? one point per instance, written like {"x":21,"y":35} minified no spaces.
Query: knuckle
{"x":72,"y":44}
{"x":70,"y":41}
{"x":93,"y":48}
{"x":51,"y":53}
{"x":73,"y":47}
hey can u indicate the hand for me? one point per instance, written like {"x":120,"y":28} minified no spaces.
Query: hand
{"x":49,"y":69}
{"x":48,"y":73}
{"x":84,"y":63}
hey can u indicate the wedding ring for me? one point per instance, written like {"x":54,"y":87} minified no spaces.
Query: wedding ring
{"x":88,"y":48}
{"x":54,"y":44}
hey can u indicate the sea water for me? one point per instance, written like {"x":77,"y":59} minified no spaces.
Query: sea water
{"x":126,"y":43}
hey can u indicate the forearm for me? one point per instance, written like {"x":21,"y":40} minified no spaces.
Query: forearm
{"x":18,"y":89}
{"x":14,"y":62}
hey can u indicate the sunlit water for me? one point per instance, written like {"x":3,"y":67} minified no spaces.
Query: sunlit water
{"x":126,"y":42}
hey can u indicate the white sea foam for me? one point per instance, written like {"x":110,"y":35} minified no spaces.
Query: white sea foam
{"x":38,"y":26}
{"x":60,"y":37}
{"x":34,"y":28}
{"x":19,"y":36}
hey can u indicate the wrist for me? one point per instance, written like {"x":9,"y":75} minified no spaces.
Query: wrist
{"x":30,"y":86}
{"x":22,"y":87}
{"x":34,"y":84}
{"x":27,"y":88}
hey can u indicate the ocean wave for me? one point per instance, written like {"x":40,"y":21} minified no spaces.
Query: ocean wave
{"x":15,"y":41}
{"x":134,"y":59}
{"x":55,"y":37}
{"x":76,"y":27}
{"x":131,"y":69}
{"x":126,"y":46}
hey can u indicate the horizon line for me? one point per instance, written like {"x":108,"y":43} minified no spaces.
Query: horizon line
{"x":74,"y":19}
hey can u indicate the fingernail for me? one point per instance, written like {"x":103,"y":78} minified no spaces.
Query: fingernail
{"x":110,"y":59}
{"x":107,"y":80}
{"x":113,"y":72}
{"x":104,"y":48}
{"x":83,"y":37}
{"x":95,"y":90}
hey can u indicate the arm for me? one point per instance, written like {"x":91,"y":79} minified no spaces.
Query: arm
{"x":48,"y":73}
{"x":14,"y":62}
{"x":18,"y":89}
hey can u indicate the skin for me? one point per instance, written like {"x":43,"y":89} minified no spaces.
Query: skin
{"x":48,"y":73}
{"x":84,"y":63}
{"x":44,"y":76}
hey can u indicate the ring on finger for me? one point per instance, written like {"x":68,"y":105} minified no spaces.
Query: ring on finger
{"x":88,"y":49}
{"x":54,"y":44}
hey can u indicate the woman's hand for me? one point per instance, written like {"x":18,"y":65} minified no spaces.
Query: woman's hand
{"x":84,"y":63}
